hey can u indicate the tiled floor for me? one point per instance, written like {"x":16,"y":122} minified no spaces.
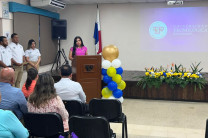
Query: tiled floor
{"x":163,"y":119}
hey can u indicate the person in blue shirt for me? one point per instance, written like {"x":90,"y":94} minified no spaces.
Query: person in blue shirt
{"x":11,"y":98}
{"x":10,"y":126}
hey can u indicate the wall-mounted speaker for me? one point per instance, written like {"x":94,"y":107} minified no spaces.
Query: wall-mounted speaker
{"x":59,"y":29}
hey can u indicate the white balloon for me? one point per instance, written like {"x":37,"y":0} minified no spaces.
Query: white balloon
{"x":106,"y":64}
{"x":111,"y":97}
{"x":121,"y":99}
{"x":116,"y":63}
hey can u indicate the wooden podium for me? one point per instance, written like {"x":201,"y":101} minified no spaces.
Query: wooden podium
{"x":87,"y":71}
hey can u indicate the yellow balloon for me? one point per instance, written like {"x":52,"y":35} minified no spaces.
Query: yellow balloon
{"x":106,"y":93}
{"x":122,"y":85}
{"x":117,"y":78}
{"x":110,"y":52}
{"x":111,"y":71}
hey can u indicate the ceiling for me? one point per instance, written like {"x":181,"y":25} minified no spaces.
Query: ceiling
{"x":116,"y":1}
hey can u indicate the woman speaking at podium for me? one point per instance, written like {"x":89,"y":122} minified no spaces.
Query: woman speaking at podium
{"x":78,"y":48}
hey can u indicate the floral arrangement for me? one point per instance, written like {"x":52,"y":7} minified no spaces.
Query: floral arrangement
{"x":175,"y":76}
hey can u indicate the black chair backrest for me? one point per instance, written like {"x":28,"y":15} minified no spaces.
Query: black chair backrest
{"x":74,"y":107}
{"x":43,"y":124}
{"x":89,"y":127}
{"x":206,"y":131}
{"x":111,"y":109}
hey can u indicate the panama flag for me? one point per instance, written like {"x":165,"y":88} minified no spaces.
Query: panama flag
{"x":97,"y":35}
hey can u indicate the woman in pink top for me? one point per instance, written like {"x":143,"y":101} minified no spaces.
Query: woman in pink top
{"x":78,"y":48}
{"x":28,"y":87}
{"x":44,"y":99}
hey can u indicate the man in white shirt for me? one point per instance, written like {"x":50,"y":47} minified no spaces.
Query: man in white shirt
{"x":68,"y":89}
{"x":5,"y":53}
{"x":17,"y":58}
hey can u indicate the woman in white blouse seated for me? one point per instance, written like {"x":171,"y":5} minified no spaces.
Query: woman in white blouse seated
{"x":32,"y":55}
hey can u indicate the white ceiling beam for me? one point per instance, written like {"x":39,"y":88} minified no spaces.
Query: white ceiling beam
{"x":114,"y":1}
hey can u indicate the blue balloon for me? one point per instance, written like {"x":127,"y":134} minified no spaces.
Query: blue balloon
{"x":164,"y":74}
{"x":104,"y":71}
{"x":112,"y":85}
{"x":119,"y":70}
{"x":117,"y":93}
{"x":107,"y":79}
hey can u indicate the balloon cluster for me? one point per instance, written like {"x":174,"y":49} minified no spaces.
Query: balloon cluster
{"x":112,"y":74}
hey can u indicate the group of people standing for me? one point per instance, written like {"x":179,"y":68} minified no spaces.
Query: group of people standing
{"x":13,"y":55}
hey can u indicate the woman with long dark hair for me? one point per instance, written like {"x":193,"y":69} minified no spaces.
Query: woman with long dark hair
{"x":78,"y":48}
{"x":44,"y":99}
{"x":32,"y":55}
{"x":28,"y":87}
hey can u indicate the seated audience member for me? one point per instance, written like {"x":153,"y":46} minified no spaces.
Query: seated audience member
{"x":28,"y":87}
{"x":44,"y":99}
{"x":10,"y":126}
{"x":68,"y":89}
{"x":12,"y":98}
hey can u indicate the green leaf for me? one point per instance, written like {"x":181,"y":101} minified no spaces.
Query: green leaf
{"x":173,"y":81}
{"x":200,"y":70}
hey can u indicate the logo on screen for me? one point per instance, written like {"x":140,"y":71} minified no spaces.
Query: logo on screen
{"x":158,"y":30}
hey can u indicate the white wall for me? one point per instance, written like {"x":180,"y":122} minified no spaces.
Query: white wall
{"x":7,"y":23}
{"x":80,"y":22}
{"x":120,"y":25}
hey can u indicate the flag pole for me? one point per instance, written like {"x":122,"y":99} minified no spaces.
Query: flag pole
{"x":97,"y":21}
{"x":97,"y":34}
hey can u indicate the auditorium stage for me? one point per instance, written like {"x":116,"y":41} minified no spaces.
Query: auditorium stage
{"x":162,"y":93}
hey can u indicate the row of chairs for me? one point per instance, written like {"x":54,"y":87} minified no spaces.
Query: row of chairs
{"x":109,"y":108}
{"x":97,"y":125}
{"x":50,"y":125}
